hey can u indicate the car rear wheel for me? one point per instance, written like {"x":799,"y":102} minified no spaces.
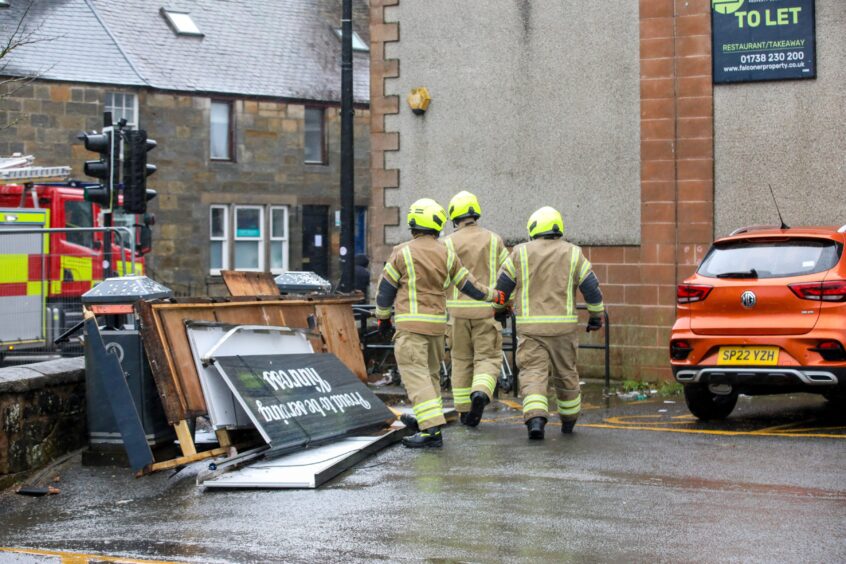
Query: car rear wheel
{"x":706,"y":405}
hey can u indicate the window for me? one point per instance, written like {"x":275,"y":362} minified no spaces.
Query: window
{"x":249,"y":238}
{"x":247,"y":243}
{"x":358,"y":43}
{"x":122,"y":106}
{"x":770,"y":258}
{"x":221,"y":131}
{"x":79,"y":214}
{"x":278,"y":239}
{"x":218,"y":239}
{"x":315,"y":136}
{"x":181,"y":23}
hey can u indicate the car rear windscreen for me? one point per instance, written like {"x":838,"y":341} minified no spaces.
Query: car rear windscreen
{"x":770,"y":258}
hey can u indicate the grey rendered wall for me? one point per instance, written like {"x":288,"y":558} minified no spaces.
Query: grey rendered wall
{"x":791,"y":134}
{"x":534,"y":103}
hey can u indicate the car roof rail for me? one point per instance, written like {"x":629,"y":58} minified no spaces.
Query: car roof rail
{"x":753,"y":228}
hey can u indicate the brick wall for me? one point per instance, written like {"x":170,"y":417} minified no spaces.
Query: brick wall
{"x":677,"y":210}
{"x":268,"y":168}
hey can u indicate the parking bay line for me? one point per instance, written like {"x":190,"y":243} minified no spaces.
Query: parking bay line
{"x":81,"y":558}
{"x":711,"y":431}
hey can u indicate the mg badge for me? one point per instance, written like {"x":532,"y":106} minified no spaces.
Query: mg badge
{"x":748,"y":299}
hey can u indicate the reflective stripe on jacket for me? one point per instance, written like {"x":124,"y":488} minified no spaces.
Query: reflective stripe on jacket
{"x":422,"y":270}
{"x":547,"y":273}
{"x":482,"y":252}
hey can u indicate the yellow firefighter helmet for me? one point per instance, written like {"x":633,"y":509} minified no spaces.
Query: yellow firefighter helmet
{"x":426,"y":215}
{"x":545,"y":221}
{"x":464,"y":204}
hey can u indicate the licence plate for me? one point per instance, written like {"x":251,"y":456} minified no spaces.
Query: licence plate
{"x":748,"y":356}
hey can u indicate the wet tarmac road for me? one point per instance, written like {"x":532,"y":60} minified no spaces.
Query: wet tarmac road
{"x":640,"y":481}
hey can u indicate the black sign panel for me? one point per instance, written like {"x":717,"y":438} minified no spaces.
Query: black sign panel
{"x":763,"y":40}
{"x":300,"y":399}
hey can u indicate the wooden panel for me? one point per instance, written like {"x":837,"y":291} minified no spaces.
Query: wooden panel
{"x":173,"y":325}
{"x":296,"y":317}
{"x":157,"y":350}
{"x":257,"y":313}
{"x":250,"y":283}
{"x":337,"y":325}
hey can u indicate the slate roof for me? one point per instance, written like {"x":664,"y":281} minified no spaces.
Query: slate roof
{"x":272,"y":48}
{"x":61,"y":26}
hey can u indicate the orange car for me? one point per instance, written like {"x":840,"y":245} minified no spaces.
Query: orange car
{"x":765,"y":313}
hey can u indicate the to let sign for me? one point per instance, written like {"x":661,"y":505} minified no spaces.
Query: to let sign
{"x":763,"y":40}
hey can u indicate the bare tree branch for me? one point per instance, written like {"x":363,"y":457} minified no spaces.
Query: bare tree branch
{"x":23,"y":35}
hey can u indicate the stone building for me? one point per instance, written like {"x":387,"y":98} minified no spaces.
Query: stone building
{"x":243,"y":100}
{"x":607,"y":111}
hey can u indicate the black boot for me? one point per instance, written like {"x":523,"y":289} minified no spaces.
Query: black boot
{"x":478,"y":401}
{"x":409,"y":421}
{"x":567,"y":427}
{"x":430,"y":437}
{"x":535,"y":426}
{"x":462,"y":418}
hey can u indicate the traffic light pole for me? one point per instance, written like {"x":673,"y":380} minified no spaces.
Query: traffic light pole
{"x":107,"y":216}
{"x":347,"y":161}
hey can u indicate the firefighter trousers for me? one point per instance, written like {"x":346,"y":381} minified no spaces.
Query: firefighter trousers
{"x":476,"y":353}
{"x":419,"y":360}
{"x":542,"y":359}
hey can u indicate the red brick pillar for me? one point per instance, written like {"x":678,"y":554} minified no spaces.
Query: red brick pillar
{"x":677,"y":164}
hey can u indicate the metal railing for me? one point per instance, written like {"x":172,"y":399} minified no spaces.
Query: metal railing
{"x":43,"y":277}
{"x":375,"y":348}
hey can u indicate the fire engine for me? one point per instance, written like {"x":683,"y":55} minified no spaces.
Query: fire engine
{"x":44,"y":274}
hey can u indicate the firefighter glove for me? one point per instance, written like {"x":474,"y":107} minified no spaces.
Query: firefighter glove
{"x":499,"y":297}
{"x":385,"y":326}
{"x":594,"y":324}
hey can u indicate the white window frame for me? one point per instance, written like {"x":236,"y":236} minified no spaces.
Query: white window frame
{"x":123,"y":107}
{"x":260,"y":239}
{"x":283,"y":240}
{"x":225,"y":251}
{"x":181,"y":25}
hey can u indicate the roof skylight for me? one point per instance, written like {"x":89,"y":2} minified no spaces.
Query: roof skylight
{"x":181,"y":23}
{"x":358,"y":43}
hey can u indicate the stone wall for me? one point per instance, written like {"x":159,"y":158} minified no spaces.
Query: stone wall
{"x":42,"y":414}
{"x":44,"y":119}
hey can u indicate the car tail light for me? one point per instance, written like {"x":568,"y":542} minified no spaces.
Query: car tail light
{"x":828,"y":291}
{"x":830,"y":350}
{"x":679,"y":350}
{"x":689,"y":293}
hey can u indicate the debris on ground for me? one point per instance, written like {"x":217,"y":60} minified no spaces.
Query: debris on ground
{"x":36,"y":491}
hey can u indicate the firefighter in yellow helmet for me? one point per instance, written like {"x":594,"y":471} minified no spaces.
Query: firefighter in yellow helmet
{"x":543,"y":275}
{"x":475,"y":335}
{"x":414,"y":282}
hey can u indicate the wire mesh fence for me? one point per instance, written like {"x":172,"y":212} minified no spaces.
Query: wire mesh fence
{"x":43,"y":275}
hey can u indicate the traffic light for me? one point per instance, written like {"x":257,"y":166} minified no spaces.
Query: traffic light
{"x":97,"y":194}
{"x":103,"y":169}
{"x":136,"y":170}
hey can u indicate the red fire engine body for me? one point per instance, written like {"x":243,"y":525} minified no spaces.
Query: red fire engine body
{"x":42,"y":277}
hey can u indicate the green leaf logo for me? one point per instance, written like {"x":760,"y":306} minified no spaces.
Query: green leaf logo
{"x":726,"y":6}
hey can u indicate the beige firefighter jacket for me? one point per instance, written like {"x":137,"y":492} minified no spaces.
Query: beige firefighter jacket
{"x":421,"y":271}
{"x":546,"y":273}
{"x":482,"y":252}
